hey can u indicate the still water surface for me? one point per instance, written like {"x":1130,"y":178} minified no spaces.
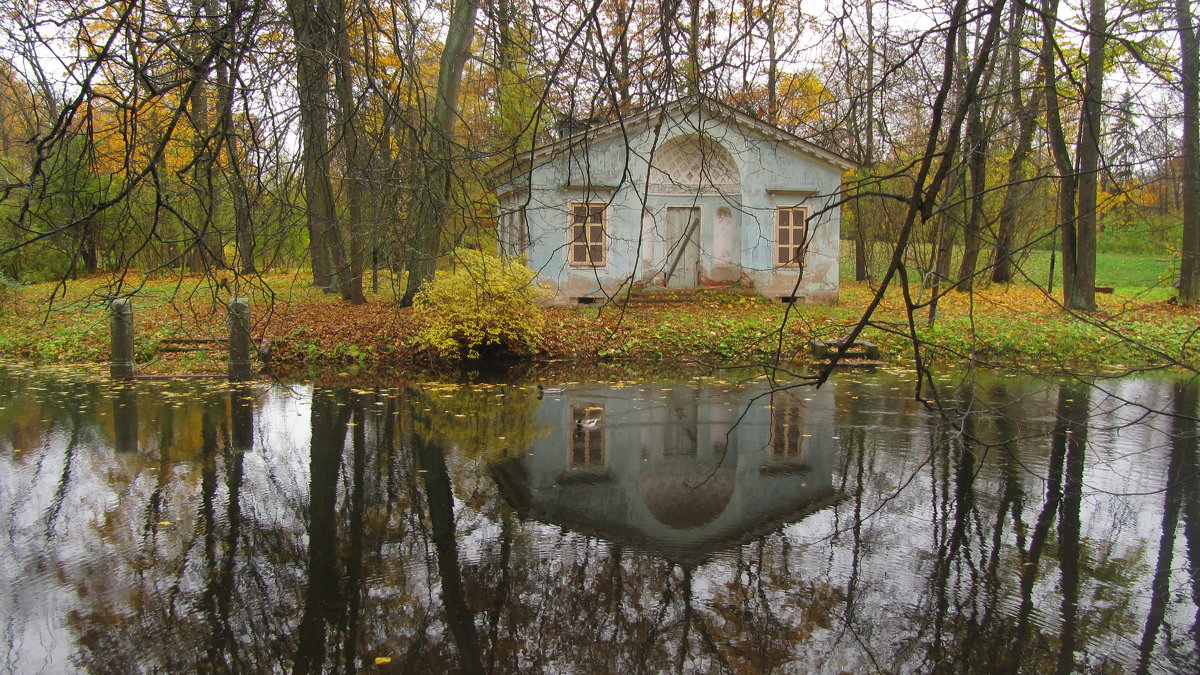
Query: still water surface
{"x":686,"y":524}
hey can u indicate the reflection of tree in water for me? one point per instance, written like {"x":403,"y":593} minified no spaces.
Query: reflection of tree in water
{"x":965,"y":547}
{"x":1180,"y":489}
{"x":771,"y":610}
{"x":987,"y":557}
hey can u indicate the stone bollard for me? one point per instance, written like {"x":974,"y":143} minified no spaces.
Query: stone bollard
{"x":239,"y":339}
{"x":120,"y":323}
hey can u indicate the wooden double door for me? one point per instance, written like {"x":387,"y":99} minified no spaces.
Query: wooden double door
{"x":681,"y":236}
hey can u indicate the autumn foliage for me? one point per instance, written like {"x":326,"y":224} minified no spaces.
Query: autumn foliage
{"x":296,"y":326}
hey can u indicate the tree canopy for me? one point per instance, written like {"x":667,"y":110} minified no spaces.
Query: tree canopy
{"x":349,"y":138}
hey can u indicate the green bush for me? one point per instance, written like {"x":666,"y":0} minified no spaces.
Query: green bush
{"x":485,"y":306}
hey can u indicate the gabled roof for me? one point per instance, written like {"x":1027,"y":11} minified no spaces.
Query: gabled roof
{"x":715,"y":109}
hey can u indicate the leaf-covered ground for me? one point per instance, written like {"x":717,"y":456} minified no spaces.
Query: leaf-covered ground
{"x":298,"y":325}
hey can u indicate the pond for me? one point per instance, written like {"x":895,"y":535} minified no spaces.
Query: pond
{"x":696,"y":524}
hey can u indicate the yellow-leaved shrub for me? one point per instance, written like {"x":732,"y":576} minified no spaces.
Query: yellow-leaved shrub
{"x":484,"y":306}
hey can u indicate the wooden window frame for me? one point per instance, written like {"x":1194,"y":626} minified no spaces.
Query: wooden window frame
{"x":515,"y":236}
{"x":587,"y":446}
{"x":582,"y":250}
{"x":788,"y":253}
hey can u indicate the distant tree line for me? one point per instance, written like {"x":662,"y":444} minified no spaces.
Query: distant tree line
{"x":240,"y":136}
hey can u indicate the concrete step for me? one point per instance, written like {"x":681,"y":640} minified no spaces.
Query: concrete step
{"x":826,"y":349}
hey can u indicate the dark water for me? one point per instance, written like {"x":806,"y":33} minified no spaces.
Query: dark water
{"x":661,"y":525}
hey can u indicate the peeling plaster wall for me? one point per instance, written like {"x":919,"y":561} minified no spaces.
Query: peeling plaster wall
{"x":736,"y":234}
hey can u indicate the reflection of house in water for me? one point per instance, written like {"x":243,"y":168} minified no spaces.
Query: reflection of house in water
{"x":677,"y":470}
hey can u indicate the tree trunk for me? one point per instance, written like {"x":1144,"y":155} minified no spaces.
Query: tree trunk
{"x":694,"y":70}
{"x":977,"y":173}
{"x":313,"y":34}
{"x":942,"y":256}
{"x":207,"y":248}
{"x":862,"y":271}
{"x":1082,"y":291}
{"x":235,"y":180}
{"x":1058,"y":145}
{"x":343,"y":85}
{"x":622,"y":56}
{"x":87,"y":247}
{"x":956,"y":192}
{"x":1189,"y":264}
{"x":1024,"y":113}
{"x":429,"y":212}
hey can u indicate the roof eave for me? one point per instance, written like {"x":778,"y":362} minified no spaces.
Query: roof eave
{"x":528,"y":158}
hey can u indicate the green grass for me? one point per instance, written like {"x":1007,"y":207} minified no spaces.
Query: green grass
{"x":1149,"y":276}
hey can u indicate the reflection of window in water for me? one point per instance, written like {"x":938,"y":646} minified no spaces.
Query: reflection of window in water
{"x":587,"y":439}
{"x":786,"y":428}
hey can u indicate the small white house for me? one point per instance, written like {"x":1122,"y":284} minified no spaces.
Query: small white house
{"x":691,"y":193}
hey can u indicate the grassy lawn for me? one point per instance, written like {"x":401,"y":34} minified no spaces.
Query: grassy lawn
{"x":1147,"y":276}
{"x":1014,"y":325}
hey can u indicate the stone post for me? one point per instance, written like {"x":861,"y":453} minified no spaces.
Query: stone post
{"x":120,"y":323}
{"x":239,"y":338}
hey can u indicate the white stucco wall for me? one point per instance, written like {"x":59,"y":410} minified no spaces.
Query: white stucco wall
{"x":737,"y":228}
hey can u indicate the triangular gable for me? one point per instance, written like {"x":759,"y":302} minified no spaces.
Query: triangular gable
{"x":632,"y":123}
